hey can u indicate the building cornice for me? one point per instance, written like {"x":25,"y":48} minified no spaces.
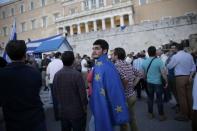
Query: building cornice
{"x":110,"y":8}
{"x":9,"y":3}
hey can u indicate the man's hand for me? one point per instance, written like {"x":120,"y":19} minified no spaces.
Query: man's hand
{"x":166,"y":85}
{"x":190,"y":79}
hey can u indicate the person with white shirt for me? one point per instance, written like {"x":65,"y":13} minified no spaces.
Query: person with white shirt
{"x":84,"y":68}
{"x":184,"y":69}
{"x":129,"y":58}
{"x":137,"y":64}
{"x":194,"y":115}
{"x":53,"y":67}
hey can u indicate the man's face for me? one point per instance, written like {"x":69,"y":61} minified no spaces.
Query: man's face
{"x":97,"y":51}
{"x":113,"y":57}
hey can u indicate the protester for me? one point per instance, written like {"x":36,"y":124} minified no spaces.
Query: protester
{"x":77,"y":62}
{"x":137,"y":64}
{"x":171,"y":76}
{"x":70,"y":92}
{"x":194,"y":115}
{"x":130,"y":77}
{"x":19,"y":92}
{"x":44,"y":63}
{"x":53,"y":67}
{"x":154,"y":71}
{"x":184,"y":69}
{"x":108,"y":103}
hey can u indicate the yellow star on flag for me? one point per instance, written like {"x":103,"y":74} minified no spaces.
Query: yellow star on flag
{"x":118,"y":109}
{"x":97,"y":77}
{"x":99,"y":63}
{"x":102,"y":92}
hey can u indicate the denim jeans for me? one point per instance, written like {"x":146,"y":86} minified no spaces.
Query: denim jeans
{"x":158,"y":89}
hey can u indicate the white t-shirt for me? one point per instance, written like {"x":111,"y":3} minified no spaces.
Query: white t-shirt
{"x":195,"y":93}
{"x":53,"y":67}
{"x":83,"y":65}
{"x":128,"y":60}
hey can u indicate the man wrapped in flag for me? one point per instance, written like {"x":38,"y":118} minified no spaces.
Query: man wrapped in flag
{"x":107,"y":100}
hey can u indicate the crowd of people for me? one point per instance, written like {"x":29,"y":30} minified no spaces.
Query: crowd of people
{"x":110,"y":83}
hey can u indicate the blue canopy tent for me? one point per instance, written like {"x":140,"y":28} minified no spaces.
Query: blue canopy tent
{"x":54,"y":43}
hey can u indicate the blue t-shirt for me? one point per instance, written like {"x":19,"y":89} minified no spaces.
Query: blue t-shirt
{"x":154,"y":73}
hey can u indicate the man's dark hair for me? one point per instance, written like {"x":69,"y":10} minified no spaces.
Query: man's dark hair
{"x":120,"y":52}
{"x":16,"y":49}
{"x":104,"y":45}
{"x":57,"y":55}
{"x":181,"y":45}
{"x":68,"y":58}
{"x":152,"y":51}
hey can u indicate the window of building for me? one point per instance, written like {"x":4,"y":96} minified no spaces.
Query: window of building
{"x":3,"y":14}
{"x":32,"y":5}
{"x":22,"y":9}
{"x":56,"y":15}
{"x":23,"y":27}
{"x":142,"y":2}
{"x":72,"y":11}
{"x":44,"y":21}
{"x":116,"y":1}
{"x":43,"y":3}
{"x":33,"y":24}
{"x":86,"y":4}
{"x":12,"y":11}
{"x":101,"y":3}
{"x":5,"y":31}
{"x":93,"y":3}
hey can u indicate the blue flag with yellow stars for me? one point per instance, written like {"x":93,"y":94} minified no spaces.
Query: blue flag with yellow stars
{"x":108,"y":103}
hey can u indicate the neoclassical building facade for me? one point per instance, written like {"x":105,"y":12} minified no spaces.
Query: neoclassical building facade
{"x":90,"y":17}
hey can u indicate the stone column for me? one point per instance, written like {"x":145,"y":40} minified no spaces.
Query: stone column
{"x":104,"y":2}
{"x":71,"y":30}
{"x":82,"y":6}
{"x":103,"y":24}
{"x":131,"y":20}
{"x":97,"y":3}
{"x":112,"y":22}
{"x":121,"y":20}
{"x":86,"y":27}
{"x":89,"y":4}
{"x":95,"y":25}
{"x":78,"y":29}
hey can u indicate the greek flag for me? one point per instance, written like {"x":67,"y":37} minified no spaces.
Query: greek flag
{"x":13,"y":36}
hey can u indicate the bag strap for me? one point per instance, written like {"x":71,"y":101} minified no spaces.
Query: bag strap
{"x":149,"y":66}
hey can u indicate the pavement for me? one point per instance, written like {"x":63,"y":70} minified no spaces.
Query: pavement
{"x":143,"y":122}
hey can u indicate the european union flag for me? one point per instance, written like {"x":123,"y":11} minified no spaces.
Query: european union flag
{"x":107,"y":101}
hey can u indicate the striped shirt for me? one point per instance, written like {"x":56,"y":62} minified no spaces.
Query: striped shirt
{"x":128,"y":73}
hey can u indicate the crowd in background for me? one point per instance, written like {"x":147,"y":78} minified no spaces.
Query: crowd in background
{"x":166,"y":74}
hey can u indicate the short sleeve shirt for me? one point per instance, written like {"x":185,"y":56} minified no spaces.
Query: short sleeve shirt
{"x":154,"y":73}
